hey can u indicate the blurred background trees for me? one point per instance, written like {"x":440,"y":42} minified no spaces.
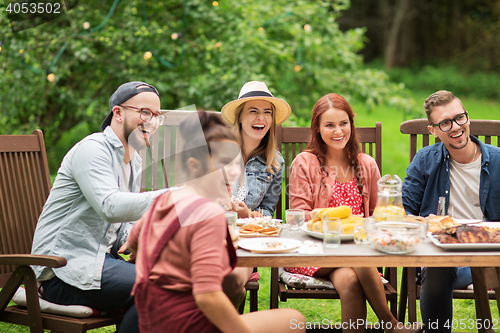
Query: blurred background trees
{"x":59,"y":76}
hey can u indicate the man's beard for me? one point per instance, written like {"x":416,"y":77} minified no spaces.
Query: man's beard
{"x":461,"y":146}
{"x":135,"y":138}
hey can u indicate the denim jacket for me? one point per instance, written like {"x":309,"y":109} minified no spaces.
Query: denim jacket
{"x":83,"y":209}
{"x":428,"y":178}
{"x":263,"y":187}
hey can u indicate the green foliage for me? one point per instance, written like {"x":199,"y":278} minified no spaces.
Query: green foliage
{"x":461,"y":83}
{"x":218,"y":49}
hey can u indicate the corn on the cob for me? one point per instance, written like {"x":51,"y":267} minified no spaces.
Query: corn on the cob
{"x":316,"y":213}
{"x":341,"y":212}
{"x":317,"y":226}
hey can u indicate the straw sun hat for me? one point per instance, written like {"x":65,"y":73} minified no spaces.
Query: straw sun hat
{"x":256,"y":90}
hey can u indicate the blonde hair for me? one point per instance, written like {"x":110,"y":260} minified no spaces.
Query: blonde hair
{"x":267,"y":146}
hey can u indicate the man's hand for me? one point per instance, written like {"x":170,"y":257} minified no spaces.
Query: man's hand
{"x":126,"y":247}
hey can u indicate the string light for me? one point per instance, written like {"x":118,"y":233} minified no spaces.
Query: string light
{"x":86,"y":25}
{"x":307,"y":27}
{"x":215,"y":3}
{"x":147,"y":55}
{"x":51,"y":77}
{"x":175,"y":35}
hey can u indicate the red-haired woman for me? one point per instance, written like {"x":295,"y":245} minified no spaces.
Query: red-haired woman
{"x":333,"y":172}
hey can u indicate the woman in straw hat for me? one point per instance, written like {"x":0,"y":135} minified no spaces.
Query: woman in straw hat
{"x":254,"y":117}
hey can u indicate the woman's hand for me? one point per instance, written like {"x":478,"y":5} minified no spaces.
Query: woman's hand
{"x":239,"y":207}
{"x":256,"y":213}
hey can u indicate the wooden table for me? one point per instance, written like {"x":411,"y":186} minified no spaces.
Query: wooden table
{"x":352,"y":255}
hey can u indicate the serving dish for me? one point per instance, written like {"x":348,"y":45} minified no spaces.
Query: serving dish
{"x":464,"y":246}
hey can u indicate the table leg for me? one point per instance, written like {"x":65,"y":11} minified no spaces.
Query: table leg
{"x":483,"y":311}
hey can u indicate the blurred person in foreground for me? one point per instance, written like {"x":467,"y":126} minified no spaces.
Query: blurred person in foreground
{"x":184,"y":248}
{"x":95,"y":195}
{"x":464,"y":171}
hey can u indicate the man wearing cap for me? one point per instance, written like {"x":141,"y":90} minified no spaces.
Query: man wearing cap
{"x":94,"y":197}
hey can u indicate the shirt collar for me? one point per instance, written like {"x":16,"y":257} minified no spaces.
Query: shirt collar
{"x":113,"y":139}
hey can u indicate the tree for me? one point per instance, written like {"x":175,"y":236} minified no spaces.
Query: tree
{"x":202,"y":53}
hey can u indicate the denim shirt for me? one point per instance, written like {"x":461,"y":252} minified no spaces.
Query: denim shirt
{"x":428,"y":178}
{"x":77,"y":220}
{"x":264,"y":188}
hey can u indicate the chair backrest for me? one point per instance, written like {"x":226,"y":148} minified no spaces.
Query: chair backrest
{"x":24,"y":188}
{"x":292,"y":140}
{"x":485,"y":130}
{"x":159,"y":161}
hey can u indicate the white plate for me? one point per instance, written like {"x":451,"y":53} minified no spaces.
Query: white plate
{"x":495,"y":225}
{"x":320,"y":235}
{"x":269,"y":244}
{"x":246,"y":220}
{"x":465,"y":246}
{"x":467,"y":221}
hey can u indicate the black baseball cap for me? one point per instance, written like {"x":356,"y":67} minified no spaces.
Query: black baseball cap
{"x":125,"y":92}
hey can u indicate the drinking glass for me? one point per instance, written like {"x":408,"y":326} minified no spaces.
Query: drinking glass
{"x":360,"y":230}
{"x":231,"y":218}
{"x":332,"y":229}
{"x":295,"y":218}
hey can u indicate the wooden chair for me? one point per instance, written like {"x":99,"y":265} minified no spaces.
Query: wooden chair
{"x":160,"y":162}
{"x":24,"y":187}
{"x":292,"y":141}
{"x":419,"y":138}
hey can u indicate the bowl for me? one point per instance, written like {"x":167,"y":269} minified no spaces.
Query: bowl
{"x":395,"y":237}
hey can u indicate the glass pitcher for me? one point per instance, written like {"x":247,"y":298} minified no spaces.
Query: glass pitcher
{"x":389,"y":199}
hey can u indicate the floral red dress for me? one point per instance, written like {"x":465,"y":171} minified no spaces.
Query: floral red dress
{"x":344,"y":194}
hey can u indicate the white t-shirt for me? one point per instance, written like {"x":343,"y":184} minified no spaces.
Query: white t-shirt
{"x":464,"y":190}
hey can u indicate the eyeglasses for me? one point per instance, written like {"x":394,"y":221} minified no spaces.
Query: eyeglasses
{"x":147,"y":114}
{"x":447,"y":124}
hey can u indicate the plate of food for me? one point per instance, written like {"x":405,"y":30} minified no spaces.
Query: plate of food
{"x":320,"y":234}
{"x":254,"y":230}
{"x":265,"y":221}
{"x":481,"y":236}
{"x":269,"y":245}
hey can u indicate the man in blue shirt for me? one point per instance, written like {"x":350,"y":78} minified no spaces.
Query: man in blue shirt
{"x":464,"y":171}
{"x":94,"y":198}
